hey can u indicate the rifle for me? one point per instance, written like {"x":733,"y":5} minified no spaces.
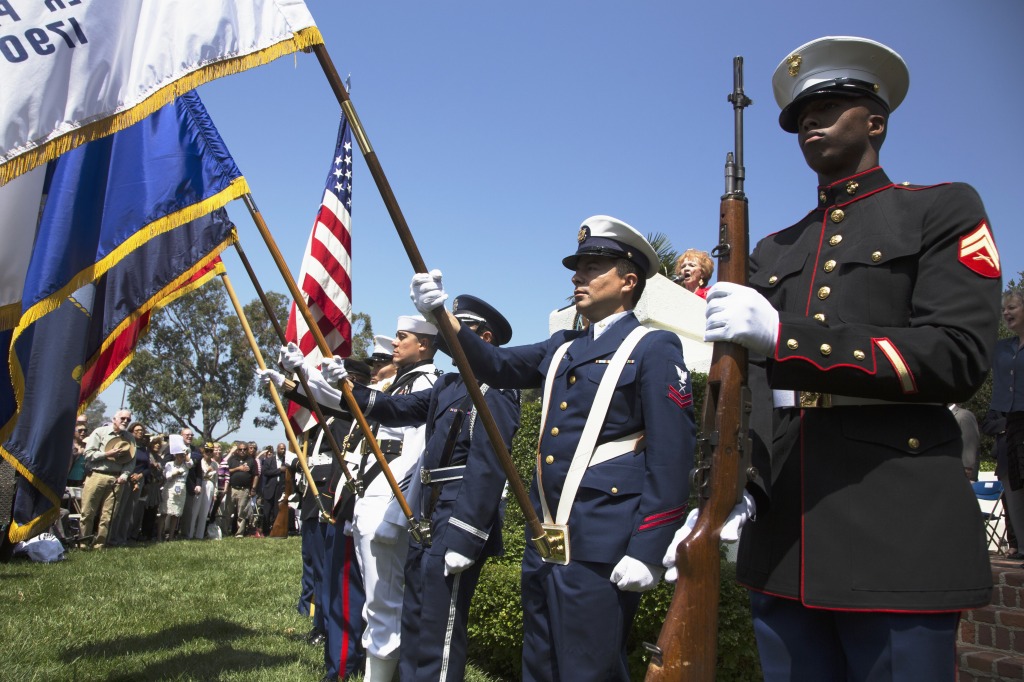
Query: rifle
{"x":281,"y":525}
{"x":686,"y":648}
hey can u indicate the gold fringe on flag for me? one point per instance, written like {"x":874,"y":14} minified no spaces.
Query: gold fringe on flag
{"x":26,"y":161}
{"x":237,"y":188}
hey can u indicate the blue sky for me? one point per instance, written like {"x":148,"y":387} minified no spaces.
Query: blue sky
{"x":501,"y":126}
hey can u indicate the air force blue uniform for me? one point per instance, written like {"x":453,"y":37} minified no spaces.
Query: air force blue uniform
{"x":576,"y":620}
{"x":464,"y":516}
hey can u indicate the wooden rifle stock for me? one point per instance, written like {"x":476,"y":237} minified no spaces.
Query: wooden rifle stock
{"x":281,"y":526}
{"x":687,"y":644}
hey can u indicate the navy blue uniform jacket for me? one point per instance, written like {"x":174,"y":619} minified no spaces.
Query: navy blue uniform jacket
{"x":466,"y":517}
{"x":632,"y":504}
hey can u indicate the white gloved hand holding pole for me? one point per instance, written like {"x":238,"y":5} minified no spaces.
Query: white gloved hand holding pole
{"x":633,"y":575}
{"x":426,"y":292}
{"x":731,"y":530}
{"x":269,"y":376}
{"x":334,"y":371}
{"x":741,"y":315}
{"x":323,"y":392}
{"x":291,"y":358}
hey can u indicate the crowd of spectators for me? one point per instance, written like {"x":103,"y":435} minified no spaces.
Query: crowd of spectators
{"x":127,"y":486}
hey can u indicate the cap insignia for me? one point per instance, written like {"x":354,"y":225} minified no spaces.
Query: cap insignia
{"x":455,"y":306}
{"x":794,"y":61}
{"x":583,"y":234}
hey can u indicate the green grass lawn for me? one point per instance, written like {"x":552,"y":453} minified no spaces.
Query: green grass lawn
{"x":172,"y":611}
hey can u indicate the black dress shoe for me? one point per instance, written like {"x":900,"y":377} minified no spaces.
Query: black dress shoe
{"x":318,"y":640}
{"x":1016,"y":556}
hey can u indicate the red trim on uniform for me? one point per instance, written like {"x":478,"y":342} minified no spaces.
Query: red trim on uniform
{"x":662,"y":518}
{"x":345,"y":607}
{"x":678,"y":511}
{"x":663,"y":522}
{"x":770,"y":594}
{"x":906,"y":366}
{"x":803,"y":538}
{"x":853,"y":610}
{"x":871,"y":371}
{"x":864,"y":196}
{"x":921,"y":187}
{"x":817,"y":256}
{"x":678,"y":398}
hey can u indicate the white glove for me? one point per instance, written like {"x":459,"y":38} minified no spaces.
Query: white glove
{"x":323,"y":392}
{"x":347,"y":528}
{"x":739,"y":314}
{"x":388,"y":533}
{"x":334,"y":371}
{"x":426,"y":291}
{"x":455,"y":563}
{"x":746,"y":509}
{"x":269,"y":376}
{"x":633,"y":575}
{"x":292,"y":358}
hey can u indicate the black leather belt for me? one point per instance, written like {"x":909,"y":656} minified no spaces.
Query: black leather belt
{"x":391,"y":446}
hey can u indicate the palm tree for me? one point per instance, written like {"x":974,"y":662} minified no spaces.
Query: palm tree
{"x":666,"y":253}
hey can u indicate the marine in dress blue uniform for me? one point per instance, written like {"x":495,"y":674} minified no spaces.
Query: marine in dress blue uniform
{"x":865,"y":348}
{"x":576,"y":616}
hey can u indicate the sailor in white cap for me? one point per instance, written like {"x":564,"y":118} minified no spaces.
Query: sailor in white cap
{"x":378,"y":526}
{"x":380,"y":360}
{"x":875,"y":310}
{"x":615,"y":490}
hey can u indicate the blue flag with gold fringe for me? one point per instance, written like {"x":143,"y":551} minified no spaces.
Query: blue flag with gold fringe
{"x":126,"y":220}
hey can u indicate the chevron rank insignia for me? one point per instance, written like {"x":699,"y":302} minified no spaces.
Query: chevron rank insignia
{"x":978,"y":252}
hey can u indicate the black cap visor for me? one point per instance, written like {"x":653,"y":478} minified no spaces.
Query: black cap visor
{"x":842,"y":87}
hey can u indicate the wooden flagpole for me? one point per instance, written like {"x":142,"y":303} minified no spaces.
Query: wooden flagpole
{"x":292,"y":440}
{"x":443,"y":324}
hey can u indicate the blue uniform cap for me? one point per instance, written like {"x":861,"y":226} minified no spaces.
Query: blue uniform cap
{"x":470,"y":309}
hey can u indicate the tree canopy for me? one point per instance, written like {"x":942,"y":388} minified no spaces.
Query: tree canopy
{"x":195,"y":367}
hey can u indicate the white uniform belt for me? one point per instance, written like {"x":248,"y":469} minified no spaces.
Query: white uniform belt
{"x":812,"y":400}
{"x":442,"y":474}
{"x":618,"y":447}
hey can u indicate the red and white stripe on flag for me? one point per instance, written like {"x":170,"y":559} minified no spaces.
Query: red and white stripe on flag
{"x":325,"y":277}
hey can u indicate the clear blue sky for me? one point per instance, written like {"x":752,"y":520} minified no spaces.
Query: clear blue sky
{"x":501,"y":126}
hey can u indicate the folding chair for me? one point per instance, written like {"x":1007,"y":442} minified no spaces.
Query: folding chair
{"x":73,"y":498}
{"x":990,"y":500}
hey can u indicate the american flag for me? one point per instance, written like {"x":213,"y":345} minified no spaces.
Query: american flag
{"x":325,"y":278}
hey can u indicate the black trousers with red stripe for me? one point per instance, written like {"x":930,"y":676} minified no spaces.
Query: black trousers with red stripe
{"x":343,"y":601}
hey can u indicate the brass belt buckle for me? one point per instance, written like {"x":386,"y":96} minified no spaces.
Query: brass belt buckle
{"x":558,"y":540}
{"x":809,"y":399}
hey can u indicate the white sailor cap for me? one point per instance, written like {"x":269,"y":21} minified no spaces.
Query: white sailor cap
{"x":416,"y":324}
{"x":602,"y":235}
{"x":839,"y":65}
{"x":382,"y":350}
